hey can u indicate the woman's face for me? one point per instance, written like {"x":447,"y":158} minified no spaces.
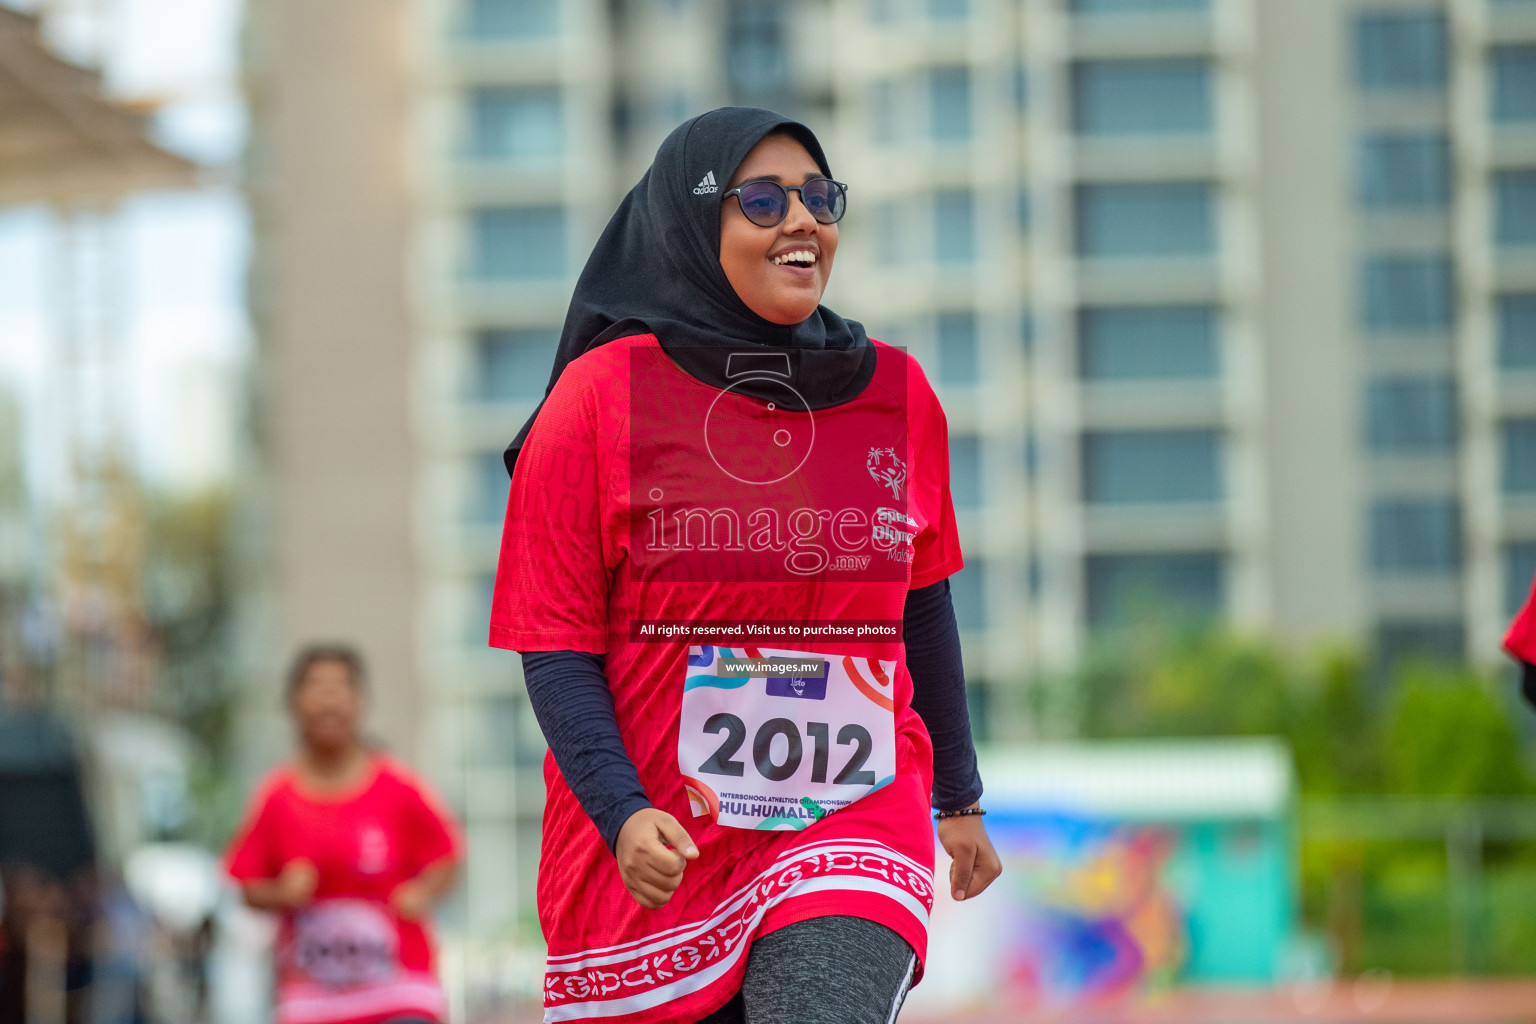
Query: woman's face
{"x":781,"y":293}
{"x":327,"y":707}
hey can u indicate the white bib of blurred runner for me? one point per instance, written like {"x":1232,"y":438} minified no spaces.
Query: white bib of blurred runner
{"x":775,"y":739}
{"x":344,"y":943}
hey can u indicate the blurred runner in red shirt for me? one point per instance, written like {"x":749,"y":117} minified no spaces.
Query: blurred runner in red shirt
{"x":1520,"y":643}
{"x":353,"y":851}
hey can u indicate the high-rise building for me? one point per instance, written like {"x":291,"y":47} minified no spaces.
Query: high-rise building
{"x":1231,"y":304}
{"x":1226,"y":299}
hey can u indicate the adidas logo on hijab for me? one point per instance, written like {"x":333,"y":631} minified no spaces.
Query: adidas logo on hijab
{"x":706,"y":186}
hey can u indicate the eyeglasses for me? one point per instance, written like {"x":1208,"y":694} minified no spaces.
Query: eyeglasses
{"x":766,"y":203}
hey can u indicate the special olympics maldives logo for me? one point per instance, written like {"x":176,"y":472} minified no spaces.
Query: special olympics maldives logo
{"x":887,"y":470}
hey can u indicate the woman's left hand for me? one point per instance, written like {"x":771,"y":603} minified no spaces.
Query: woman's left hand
{"x":975,"y":864}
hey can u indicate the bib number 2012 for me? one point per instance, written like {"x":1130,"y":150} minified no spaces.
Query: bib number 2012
{"x":723,"y":761}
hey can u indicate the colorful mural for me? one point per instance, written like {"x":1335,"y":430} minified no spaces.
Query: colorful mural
{"x":1128,"y":868}
{"x":1096,"y":915}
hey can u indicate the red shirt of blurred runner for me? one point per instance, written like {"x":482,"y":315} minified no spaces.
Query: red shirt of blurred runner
{"x":1520,"y":641}
{"x":347,"y":958}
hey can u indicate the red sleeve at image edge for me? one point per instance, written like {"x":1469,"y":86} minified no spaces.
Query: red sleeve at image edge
{"x":1520,"y":641}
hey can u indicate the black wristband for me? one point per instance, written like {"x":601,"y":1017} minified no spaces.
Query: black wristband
{"x":963,"y":813}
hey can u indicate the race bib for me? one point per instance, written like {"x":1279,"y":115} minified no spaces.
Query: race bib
{"x":345,"y":943}
{"x":774,"y":739}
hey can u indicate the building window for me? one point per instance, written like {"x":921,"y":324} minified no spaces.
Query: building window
{"x":965,"y":470}
{"x":488,"y":500}
{"x":1120,"y":97}
{"x":888,"y":233}
{"x":519,"y":242}
{"x":1439,"y":640}
{"x":1415,"y":535}
{"x":1136,"y":6}
{"x":516,"y":122}
{"x":978,"y":706}
{"x":1405,"y":170}
{"x":1151,"y":466}
{"x":1147,"y":342}
{"x":1519,"y":456}
{"x":967,"y":589}
{"x":513,"y":365}
{"x":956,"y":336}
{"x":1514,"y":83}
{"x":502,"y":18}
{"x":508,"y":731}
{"x":1164,"y":219}
{"x":882,"y":111}
{"x":1408,"y":294}
{"x":668,"y":109}
{"x":756,"y":60}
{"x":1411,"y":415}
{"x":954,"y":226}
{"x":949,"y":104}
{"x":1401,"y":51}
{"x":1517,"y":331}
{"x":1124,"y":588}
{"x":1515,"y":207}
{"x":1519,"y":572}
{"x":482,"y":595}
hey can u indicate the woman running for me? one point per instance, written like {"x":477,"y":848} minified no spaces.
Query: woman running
{"x":725,"y":565}
{"x":353,"y":851}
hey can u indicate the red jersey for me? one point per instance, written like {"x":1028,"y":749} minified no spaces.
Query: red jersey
{"x":1520,"y":641}
{"x":649,"y":509}
{"x":346,"y":958}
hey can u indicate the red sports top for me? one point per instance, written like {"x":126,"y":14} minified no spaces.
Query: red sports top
{"x":644,"y":494}
{"x":1520,"y":641}
{"x":346,"y":958}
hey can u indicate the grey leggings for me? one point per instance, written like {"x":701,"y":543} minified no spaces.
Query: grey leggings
{"x":828,"y":970}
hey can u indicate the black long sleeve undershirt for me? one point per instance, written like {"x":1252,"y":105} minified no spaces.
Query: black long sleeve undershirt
{"x":932,"y":638}
{"x":571,"y":699}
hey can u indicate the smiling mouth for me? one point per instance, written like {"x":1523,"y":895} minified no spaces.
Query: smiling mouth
{"x":795,"y":258}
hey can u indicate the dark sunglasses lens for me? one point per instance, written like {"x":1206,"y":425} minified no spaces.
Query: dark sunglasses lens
{"x":825,"y":199}
{"x":764,"y":203}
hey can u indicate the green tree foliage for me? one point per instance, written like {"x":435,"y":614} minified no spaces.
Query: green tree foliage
{"x":1335,"y":729}
{"x":188,"y":596}
{"x":1446,"y":733}
{"x":1413,"y":732}
{"x":1427,"y":730}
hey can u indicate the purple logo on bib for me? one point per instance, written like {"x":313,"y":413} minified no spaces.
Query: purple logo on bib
{"x":805,"y":686}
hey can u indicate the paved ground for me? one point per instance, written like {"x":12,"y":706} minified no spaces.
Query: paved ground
{"x":1367,"y":1001}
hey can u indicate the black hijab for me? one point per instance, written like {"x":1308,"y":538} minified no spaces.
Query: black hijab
{"x":656,"y":269}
